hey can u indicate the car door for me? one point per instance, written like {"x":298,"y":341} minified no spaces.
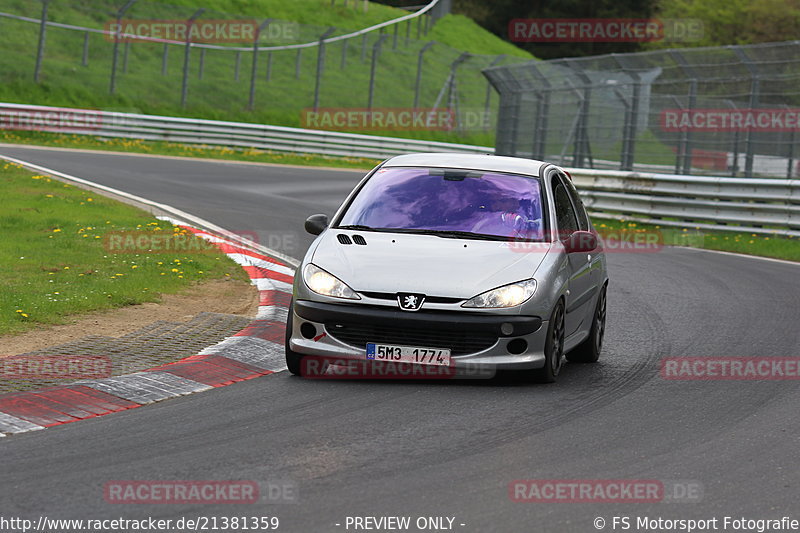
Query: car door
{"x":581,"y":285}
{"x":585,"y":224}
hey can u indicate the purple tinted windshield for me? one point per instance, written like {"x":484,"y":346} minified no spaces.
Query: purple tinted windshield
{"x":489,"y":203}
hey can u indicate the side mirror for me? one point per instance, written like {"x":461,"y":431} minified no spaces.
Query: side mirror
{"x":581,"y":241}
{"x":316,"y":224}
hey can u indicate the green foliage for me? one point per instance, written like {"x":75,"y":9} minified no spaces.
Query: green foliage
{"x":56,"y":262}
{"x":736,"y":21}
{"x":219,"y":93}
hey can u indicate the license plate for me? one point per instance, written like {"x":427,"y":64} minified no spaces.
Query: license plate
{"x":408,"y":354}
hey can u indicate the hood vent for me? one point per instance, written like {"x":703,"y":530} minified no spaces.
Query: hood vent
{"x":344,"y":239}
{"x":358,"y":239}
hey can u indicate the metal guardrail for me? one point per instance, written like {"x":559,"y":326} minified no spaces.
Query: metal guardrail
{"x":760,"y":206}
{"x":217,"y":133}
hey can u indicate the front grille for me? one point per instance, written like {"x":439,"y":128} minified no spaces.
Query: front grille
{"x":428,"y":299}
{"x":459,"y":342}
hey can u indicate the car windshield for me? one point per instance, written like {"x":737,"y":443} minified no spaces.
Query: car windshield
{"x":448,"y":202}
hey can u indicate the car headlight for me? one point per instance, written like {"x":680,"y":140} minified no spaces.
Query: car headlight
{"x":505,"y":296}
{"x":327,"y":284}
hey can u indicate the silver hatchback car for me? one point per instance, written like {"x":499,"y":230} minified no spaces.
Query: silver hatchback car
{"x":453,"y":261}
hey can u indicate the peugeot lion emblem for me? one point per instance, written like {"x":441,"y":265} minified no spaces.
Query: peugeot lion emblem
{"x":410,"y":301}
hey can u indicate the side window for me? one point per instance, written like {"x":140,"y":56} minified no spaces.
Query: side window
{"x":583,"y":217}
{"x":565,"y":213}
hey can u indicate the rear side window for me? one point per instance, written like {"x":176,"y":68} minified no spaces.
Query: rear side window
{"x":584,"y":224}
{"x":565,"y":213}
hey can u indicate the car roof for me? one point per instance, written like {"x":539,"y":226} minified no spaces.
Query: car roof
{"x":494,"y":163}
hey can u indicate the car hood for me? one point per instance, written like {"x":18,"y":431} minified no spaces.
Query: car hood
{"x":435,"y":266}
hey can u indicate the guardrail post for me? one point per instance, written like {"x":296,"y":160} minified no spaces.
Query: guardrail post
{"x":581,"y":146}
{"x":685,"y":150}
{"x":320,"y":64}
{"x":269,"y":65}
{"x":542,"y":116}
{"x":297,"y":63}
{"x":376,"y":50}
{"x":631,"y":115}
{"x":125,"y":57}
{"x":202,"y":65}
{"x":236,"y":64}
{"x":735,"y":153}
{"x":681,"y":146}
{"x":488,"y":101}
{"x":629,"y":130}
{"x":254,"y":68}
{"x":186,"y":53}
{"x":394,"y":38}
{"x":85,"y":57}
{"x":418,"y":84}
{"x":363,"y":47}
{"x":115,"y":52}
{"x":42,"y":37}
{"x":452,"y":89}
{"x":164,"y":59}
{"x":419,"y":27}
{"x":408,"y":32}
{"x":755,"y":87}
{"x":790,"y":150}
{"x":345,"y":44}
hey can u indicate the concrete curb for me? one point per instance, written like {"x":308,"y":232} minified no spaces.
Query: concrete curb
{"x":255,"y":351}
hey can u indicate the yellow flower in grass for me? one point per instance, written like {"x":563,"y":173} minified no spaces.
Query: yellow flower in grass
{"x":57,"y":230}
{"x":175,"y":270}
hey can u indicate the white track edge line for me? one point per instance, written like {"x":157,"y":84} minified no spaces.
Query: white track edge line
{"x":201,"y":223}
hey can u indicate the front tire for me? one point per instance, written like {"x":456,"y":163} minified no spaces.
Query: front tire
{"x":553,"y":347}
{"x":589,"y":350}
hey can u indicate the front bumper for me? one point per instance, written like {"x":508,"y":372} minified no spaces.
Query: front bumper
{"x":477,"y":340}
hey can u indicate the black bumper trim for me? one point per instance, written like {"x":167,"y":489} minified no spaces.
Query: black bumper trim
{"x":446,"y":320}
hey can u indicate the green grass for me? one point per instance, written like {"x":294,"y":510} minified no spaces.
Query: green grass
{"x":138,"y":146}
{"x":777,"y":247}
{"x":219,"y":95}
{"x":55,"y":262}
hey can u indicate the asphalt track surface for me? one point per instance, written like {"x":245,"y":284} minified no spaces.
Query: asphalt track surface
{"x":400,"y":448}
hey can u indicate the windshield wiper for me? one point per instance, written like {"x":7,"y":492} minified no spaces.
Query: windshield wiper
{"x":454,"y":234}
{"x":357,"y":227}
